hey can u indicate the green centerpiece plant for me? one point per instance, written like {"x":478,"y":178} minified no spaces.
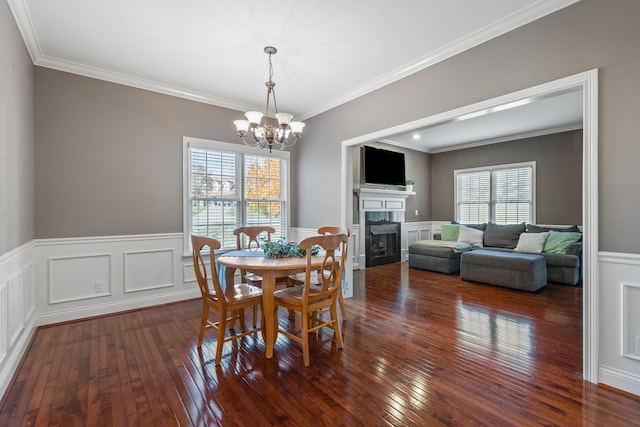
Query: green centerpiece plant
{"x":283,"y":249}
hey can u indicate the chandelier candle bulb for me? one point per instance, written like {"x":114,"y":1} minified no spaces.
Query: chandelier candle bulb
{"x":253,"y":117}
{"x":284,"y":119}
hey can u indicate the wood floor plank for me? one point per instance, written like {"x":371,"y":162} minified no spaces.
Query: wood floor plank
{"x":420,"y":348}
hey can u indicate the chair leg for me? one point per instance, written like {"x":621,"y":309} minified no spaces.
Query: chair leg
{"x":336,"y":325}
{"x":343,"y":309}
{"x":222,"y":329}
{"x":255,"y":315}
{"x":203,"y":323}
{"x":243,"y":326}
{"x":305,"y":338}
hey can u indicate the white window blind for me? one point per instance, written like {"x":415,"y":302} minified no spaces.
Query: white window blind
{"x":512,"y":202}
{"x":473,"y":197}
{"x":500,"y":194}
{"x":229,"y":185}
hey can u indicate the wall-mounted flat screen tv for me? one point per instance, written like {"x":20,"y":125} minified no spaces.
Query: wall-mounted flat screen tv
{"x":383,"y":166}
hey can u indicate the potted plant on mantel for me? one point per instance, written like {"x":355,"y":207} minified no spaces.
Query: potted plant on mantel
{"x":409,"y":184}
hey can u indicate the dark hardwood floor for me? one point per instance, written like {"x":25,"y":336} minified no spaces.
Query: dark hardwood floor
{"x":421,"y":348}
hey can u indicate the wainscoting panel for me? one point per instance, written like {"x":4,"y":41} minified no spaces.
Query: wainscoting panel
{"x":145,"y":270}
{"x":619,"y":319}
{"x":15,"y":298}
{"x":631,"y":320}
{"x":91,"y":276}
{"x":79,"y":277}
{"x":416,"y":231}
{"x":17,"y":308}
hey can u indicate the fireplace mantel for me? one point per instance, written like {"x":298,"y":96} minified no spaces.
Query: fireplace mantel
{"x":381,"y":199}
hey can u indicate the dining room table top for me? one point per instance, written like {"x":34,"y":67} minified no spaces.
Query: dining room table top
{"x":256,"y":259}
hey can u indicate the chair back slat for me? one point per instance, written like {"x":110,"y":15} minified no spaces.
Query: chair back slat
{"x":334,"y":248}
{"x":334,"y":230}
{"x":250,"y":235}
{"x":200,"y":244}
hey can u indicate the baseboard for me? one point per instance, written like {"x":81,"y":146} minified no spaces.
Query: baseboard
{"x":622,"y":380}
{"x":79,"y":313}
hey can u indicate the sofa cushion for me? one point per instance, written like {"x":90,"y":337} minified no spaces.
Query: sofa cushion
{"x":470,"y":236}
{"x":558,"y":242}
{"x":449,"y":232}
{"x":503,"y":236}
{"x":531,"y":228}
{"x":531,"y":242}
{"x":482,"y":226}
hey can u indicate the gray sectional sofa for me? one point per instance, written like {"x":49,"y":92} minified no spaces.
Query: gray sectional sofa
{"x":520,"y":256}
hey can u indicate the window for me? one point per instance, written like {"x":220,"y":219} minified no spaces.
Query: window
{"x":229,"y":185}
{"x":501,"y":194}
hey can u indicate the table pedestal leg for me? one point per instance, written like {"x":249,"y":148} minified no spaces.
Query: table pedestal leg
{"x":270,"y":315}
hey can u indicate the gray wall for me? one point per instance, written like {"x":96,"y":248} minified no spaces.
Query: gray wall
{"x":109,"y":157}
{"x":16,"y":137}
{"x":589,"y":34}
{"x":558,"y":160}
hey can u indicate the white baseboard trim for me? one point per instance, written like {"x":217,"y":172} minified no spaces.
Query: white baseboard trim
{"x":80,"y":313}
{"x":619,"y":379}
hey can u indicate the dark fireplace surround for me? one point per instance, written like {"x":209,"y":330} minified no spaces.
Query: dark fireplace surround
{"x":382,"y":238}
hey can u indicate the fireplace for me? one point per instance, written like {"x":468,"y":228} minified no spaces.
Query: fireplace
{"x":382,"y":238}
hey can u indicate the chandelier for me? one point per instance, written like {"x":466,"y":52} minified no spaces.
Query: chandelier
{"x":266,"y":135}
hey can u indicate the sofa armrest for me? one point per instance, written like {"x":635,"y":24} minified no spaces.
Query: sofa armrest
{"x":575,"y":249}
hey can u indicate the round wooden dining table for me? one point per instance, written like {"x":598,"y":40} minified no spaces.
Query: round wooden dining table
{"x":270,"y":269}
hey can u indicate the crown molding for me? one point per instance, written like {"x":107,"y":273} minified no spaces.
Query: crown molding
{"x":536,"y":11}
{"x":140,"y":83}
{"x":532,"y":13}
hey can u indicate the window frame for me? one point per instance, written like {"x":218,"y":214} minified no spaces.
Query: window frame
{"x":198,"y":143}
{"x":492,"y":199}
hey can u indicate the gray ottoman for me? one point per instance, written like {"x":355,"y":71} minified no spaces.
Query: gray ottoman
{"x":527,"y":272}
{"x":439,"y":259}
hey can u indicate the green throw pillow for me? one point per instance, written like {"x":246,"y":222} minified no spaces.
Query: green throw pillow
{"x":558,"y":242}
{"x":449,"y":232}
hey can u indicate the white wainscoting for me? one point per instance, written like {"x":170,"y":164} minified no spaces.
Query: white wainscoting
{"x":619,"y":304}
{"x":17,"y":309}
{"x":414,"y":232}
{"x":84,"y":277}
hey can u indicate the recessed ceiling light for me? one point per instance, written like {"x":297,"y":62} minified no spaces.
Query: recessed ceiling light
{"x":416,"y":136}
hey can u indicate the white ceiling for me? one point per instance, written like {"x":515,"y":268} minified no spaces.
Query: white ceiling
{"x":329,"y":51}
{"x":529,"y":117}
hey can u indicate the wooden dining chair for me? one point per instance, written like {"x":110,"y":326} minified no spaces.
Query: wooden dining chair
{"x":298,"y":279}
{"x":229,"y":302}
{"x":313,"y":297}
{"x":247,"y":238}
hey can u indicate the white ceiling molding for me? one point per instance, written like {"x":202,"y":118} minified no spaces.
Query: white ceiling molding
{"x":532,"y":13}
{"x":535,"y":11}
